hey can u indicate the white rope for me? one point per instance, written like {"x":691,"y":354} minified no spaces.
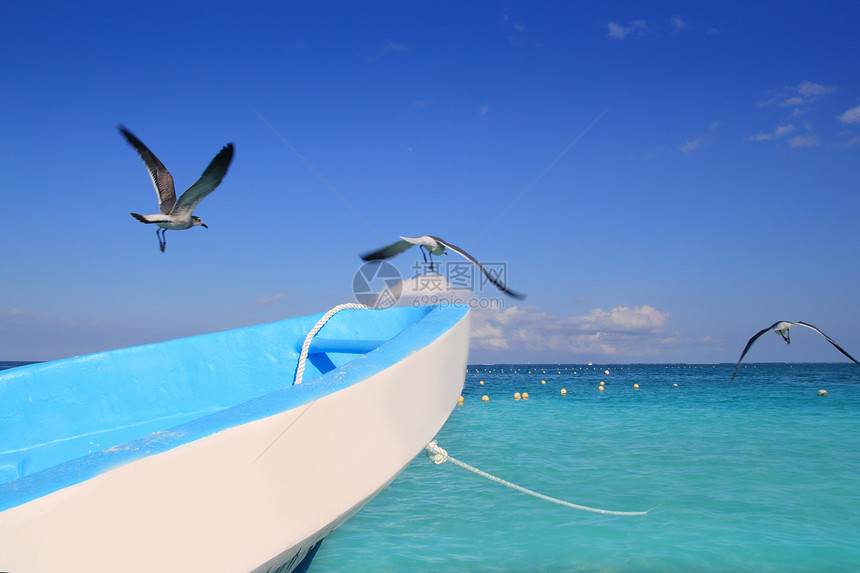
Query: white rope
{"x":300,"y":369}
{"x":439,"y":456}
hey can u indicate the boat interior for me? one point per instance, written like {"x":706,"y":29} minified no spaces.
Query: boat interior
{"x":54,"y":412}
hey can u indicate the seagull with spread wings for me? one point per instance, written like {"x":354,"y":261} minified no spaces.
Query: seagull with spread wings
{"x":781,"y":327}
{"x":176,"y":214}
{"x":434,"y":246}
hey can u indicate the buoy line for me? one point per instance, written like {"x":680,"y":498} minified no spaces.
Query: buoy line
{"x":439,"y":456}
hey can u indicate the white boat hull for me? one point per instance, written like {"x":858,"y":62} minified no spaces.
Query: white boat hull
{"x":254,"y":497}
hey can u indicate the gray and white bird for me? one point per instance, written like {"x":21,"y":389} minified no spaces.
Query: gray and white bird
{"x":782,"y":327}
{"x":176,"y":215}
{"x":434,"y":246}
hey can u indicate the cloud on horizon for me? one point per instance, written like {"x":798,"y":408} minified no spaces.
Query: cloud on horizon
{"x":621,"y":331}
{"x":16,"y":317}
{"x":27,"y":335}
{"x":268,"y":300}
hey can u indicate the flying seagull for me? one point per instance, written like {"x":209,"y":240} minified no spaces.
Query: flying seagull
{"x":782,"y":327}
{"x":433,"y":246}
{"x":176,"y":215}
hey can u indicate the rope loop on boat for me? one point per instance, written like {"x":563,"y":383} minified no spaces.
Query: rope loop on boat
{"x":300,"y":369}
{"x":439,"y":456}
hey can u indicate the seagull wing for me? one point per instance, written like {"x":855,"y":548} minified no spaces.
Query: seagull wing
{"x":207,"y":183}
{"x":387,"y":252}
{"x":830,"y":340}
{"x":474,"y":261}
{"x":750,"y":343}
{"x":162,"y":180}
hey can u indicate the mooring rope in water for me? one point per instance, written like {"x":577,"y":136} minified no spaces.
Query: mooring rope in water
{"x":439,"y":456}
{"x":300,"y":369}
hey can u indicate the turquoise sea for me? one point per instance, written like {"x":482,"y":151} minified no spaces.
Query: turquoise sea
{"x":762,"y":475}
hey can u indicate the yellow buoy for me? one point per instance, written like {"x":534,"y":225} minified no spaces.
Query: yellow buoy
{"x":563,"y":392}
{"x":460,"y":401}
{"x":525,"y":395}
{"x":516,"y":395}
{"x":636,"y":386}
{"x":481,"y":382}
{"x":822,"y":392}
{"x":606,"y":372}
{"x":675,"y":385}
{"x":601,"y":383}
{"x":600,"y":388}
{"x":543,"y":381}
{"x":485,"y":398}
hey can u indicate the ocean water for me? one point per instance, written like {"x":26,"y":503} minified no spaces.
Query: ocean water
{"x":762,"y":475}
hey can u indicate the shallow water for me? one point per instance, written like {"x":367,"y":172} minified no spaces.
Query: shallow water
{"x":761,"y":475}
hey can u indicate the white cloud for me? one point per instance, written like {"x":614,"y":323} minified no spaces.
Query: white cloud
{"x":780,"y":131}
{"x":618,"y":32}
{"x":802,"y":94}
{"x":689,"y":146}
{"x":635,"y":331}
{"x":692,"y":144}
{"x":786,"y":130}
{"x":388,"y":49}
{"x":803,"y":141}
{"x":515,"y":32}
{"x":851,"y":116}
{"x":811,"y":90}
{"x":483,"y":111}
{"x":678,"y":24}
{"x":395,"y":47}
{"x":623,"y":318}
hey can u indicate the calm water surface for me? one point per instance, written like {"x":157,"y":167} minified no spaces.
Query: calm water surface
{"x":762,"y":475}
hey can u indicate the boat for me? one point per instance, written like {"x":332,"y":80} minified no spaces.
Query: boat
{"x":203,"y":454}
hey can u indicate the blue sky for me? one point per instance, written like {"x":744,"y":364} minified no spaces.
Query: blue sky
{"x":662,"y":179}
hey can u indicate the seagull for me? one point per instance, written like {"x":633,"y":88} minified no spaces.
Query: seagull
{"x":434,"y":246}
{"x":782,"y":327}
{"x":176,"y":215}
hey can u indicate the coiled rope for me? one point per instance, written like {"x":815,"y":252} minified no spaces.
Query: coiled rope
{"x":439,"y":456}
{"x":300,"y":369}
